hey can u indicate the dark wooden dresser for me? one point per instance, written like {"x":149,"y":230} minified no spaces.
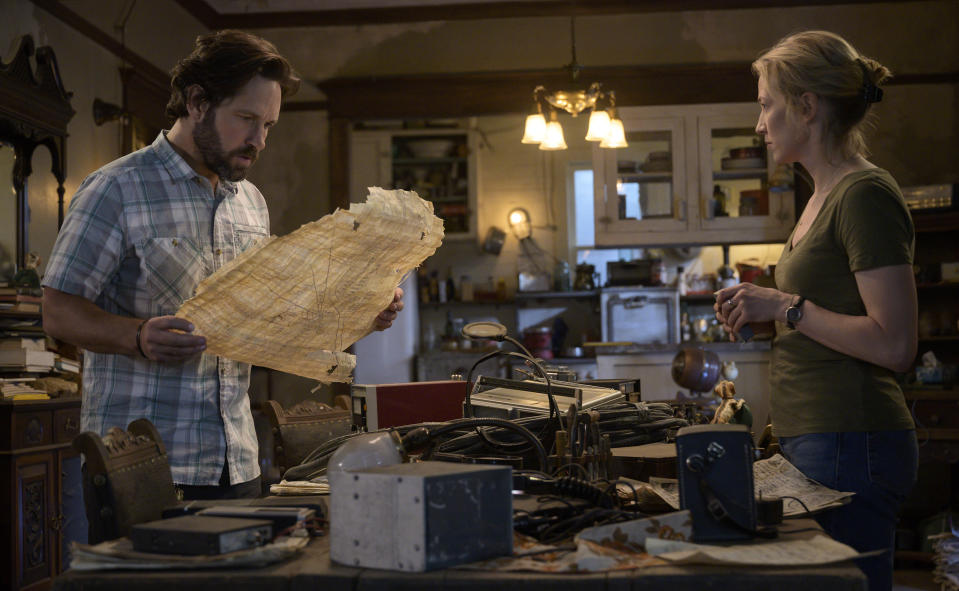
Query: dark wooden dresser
{"x":41,"y":503}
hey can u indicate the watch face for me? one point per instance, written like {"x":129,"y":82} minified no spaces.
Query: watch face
{"x":793,"y":314}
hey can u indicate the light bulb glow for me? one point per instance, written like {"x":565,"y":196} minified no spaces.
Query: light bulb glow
{"x":598,"y":126}
{"x":554,"y":139}
{"x":616,"y":137}
{"x":535,"y":130}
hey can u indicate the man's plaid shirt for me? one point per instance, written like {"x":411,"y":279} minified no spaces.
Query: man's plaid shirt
{"x":140,"y":234}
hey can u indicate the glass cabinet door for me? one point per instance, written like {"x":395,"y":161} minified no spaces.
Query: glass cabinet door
{"x":641,"y":188}
{"x":739,"y":186}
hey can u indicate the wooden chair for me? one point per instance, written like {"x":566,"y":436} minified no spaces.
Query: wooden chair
{"x":127,"y":479}
{"x":302,"y":428}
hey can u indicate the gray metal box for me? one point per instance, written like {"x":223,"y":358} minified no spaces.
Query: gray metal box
{"x":421,"y":516}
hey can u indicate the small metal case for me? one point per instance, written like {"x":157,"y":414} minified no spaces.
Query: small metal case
{"x":198,"y":534}
{"x":716,"y":481}
{"x":422,"y":516}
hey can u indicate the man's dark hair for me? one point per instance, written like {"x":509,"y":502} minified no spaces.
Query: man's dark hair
{"x":222,"y":63}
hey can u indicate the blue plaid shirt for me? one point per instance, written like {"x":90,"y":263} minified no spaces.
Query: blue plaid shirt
{"x":140,"y":234}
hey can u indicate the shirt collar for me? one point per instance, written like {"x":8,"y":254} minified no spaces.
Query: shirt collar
{"x":177,"y":166}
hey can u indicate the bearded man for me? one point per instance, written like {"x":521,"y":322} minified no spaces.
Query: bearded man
{"x":141,"y":233}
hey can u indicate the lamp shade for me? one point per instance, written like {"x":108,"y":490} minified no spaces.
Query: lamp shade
{"x":598,"y":126}
{"x":367,"y":450}
{"x":554,"y":139}
{"x":519,"y":223}
{"x":616,"y":137}
{"x":535,"y":129}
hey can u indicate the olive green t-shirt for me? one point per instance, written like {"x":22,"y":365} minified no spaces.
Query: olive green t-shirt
{"x":863,"y":224}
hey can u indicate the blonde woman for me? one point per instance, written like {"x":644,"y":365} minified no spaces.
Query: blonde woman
{"x":845,"y":302}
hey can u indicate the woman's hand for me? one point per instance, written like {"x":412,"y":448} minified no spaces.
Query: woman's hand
{"x":385,"y":318}
{"x":748,"y":303}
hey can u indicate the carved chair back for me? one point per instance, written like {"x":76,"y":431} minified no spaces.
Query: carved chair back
{"x":302,"y":428}
{"x":127,"y":479}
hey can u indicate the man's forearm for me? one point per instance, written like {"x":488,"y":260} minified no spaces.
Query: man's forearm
{"x":79,"y":321}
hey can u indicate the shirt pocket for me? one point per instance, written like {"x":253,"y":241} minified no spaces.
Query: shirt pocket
{"x":173,"y":268}
{"x":245,"y":237}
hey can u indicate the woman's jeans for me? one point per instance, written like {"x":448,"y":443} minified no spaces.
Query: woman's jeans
{"x":880,"y":467}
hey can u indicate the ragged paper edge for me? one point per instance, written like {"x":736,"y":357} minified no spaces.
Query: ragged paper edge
{"x":330,"y":366}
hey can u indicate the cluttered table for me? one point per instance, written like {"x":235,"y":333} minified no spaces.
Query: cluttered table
{"x":313,"y":569}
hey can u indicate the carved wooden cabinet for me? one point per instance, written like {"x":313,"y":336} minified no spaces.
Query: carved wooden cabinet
{"x":40,"y":472}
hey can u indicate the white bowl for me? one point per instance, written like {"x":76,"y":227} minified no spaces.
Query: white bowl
{"x":430,"y":148}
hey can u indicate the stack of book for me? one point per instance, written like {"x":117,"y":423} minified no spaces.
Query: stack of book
{"x":24,"y":347}
{"x":20,"y":300}
{"x":19,"y":389}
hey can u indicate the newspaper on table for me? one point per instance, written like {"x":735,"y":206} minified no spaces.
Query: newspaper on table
{"x":119,"y":554}
{"x":295,"y":303}
{"x":289,"y":488}
{"x":773,"y":477}
{"x":666,"y":539}
{"x":819,"y":549}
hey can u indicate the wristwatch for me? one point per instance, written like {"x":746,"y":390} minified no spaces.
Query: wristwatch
{"x":794,"y":313}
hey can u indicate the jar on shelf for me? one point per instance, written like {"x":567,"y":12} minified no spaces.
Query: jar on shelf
{"x":561,"y":276}
{"x":657,"y":272}
{"x":466,"y":288}
{"x":539,"y":341}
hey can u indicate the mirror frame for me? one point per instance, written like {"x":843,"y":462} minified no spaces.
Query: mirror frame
{"x":34,"y":111}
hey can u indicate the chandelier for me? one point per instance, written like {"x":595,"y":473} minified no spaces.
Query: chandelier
{"x":543,"y":127}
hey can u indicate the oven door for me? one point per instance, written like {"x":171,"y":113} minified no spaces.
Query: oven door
{"x":640,"y":315}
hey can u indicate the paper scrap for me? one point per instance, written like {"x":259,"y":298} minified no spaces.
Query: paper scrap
{"x":295,"y":303}
{"x":819,"y":549}
{"x":285,"y":488}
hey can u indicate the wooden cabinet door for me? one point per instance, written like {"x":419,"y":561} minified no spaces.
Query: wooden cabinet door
{"x":35,"y":544}
{"x":735,"y":196}
{"x":640,"y":191}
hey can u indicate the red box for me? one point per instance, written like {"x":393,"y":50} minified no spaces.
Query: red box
{"x":378,"y":406}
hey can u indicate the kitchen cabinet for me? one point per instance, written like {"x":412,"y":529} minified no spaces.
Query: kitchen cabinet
{"x":692,"y":174}
{"x":439,"y":164}
{"x":42,"y":505}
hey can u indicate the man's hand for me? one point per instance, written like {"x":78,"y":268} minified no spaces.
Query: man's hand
{"x":385,"y":318}
{"x":167,"y":338}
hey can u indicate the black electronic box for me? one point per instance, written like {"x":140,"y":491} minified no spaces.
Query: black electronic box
{"x":199,"y":534}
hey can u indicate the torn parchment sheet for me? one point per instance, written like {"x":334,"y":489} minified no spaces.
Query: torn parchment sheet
{"x":295,"y":303}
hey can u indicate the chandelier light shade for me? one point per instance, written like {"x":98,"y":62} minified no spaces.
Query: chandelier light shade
{"x":535,"y":131}
{"x":616,"y":137}
{"x":604,"y":127}
{"x":598,"y":126}
{"x":554,"y":139}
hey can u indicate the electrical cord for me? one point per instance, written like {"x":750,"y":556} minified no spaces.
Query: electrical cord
{"x":627,"y":423}
{"x":477,"y":422}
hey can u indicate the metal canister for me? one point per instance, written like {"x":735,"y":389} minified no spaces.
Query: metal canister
{"x":539,"y":341}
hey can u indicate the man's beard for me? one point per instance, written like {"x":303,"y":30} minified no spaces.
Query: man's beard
{"x":207,"y":141}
